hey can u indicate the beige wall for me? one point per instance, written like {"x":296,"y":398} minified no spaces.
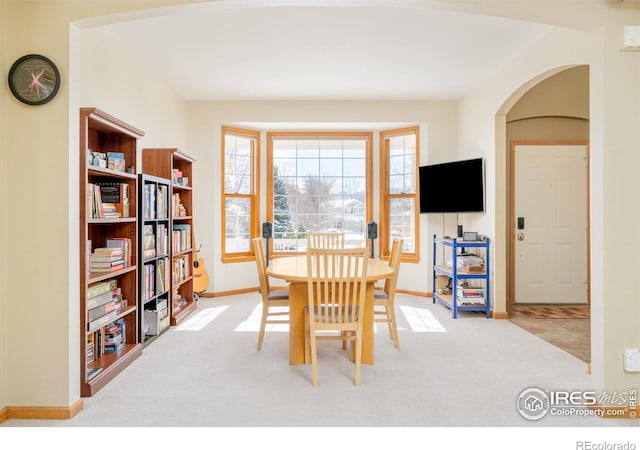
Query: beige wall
{"x":39,"y":300}
{"x":4,"y":219}
{"x":438,"y":140}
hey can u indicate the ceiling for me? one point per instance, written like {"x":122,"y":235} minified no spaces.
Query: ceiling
{"x":249,"y":50}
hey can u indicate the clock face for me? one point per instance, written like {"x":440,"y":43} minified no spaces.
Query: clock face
{"x":34,"y":79}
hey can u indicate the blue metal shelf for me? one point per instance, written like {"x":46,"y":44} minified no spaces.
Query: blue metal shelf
{"x":458,"y":246}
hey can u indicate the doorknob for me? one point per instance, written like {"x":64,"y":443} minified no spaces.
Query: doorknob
{"x":521,"y":236}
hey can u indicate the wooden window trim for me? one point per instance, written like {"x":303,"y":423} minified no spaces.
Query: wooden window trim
{"x":254,"y":197}
{"x":385,"y":196}
{"x":299,"y":135}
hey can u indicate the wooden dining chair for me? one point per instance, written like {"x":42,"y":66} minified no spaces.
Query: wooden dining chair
{"x":337,"y":284}
{"x":325,"y":240}
{"x":275,"y":303}
{"x":384,"y":299}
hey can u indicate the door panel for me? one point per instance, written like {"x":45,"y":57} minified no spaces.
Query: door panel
{"x":550,"y":251}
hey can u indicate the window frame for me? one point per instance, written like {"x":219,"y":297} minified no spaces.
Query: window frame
{"x":254,"y":196}
{"x":318,"y":135}
{"x":386,"y":197}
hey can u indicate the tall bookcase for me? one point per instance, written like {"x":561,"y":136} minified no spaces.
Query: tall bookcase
{"x":175,"y":165}
{"x":153,"y":254}
{"x":108,"y":242}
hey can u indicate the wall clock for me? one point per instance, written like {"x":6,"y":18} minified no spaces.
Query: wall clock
{"x":34,"y":79}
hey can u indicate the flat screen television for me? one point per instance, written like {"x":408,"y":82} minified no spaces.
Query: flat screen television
{"x":452,"y":187}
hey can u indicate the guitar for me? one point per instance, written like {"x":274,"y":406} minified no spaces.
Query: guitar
{"x":200,"y":275}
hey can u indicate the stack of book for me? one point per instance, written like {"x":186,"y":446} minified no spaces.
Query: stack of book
{"x":125,"y":246}
{"x":103,"y":301}
{"x":178,"y":208}
{"x":106,"y":259}
{"x":470,"y":296}
{"x":114,"y":336}
{"x":179,"y":179}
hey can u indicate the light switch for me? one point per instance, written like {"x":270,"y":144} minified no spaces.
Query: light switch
{"x":631,"y":37}
{"x":632,"y":360}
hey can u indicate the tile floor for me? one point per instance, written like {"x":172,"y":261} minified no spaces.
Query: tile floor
{"x":565,"y":326}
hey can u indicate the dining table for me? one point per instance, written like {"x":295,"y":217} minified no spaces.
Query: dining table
{"x":293,"y":269}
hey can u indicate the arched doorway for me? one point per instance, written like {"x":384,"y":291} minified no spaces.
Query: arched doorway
{"x":552,"y":109}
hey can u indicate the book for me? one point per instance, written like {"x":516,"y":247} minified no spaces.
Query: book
{"x":148,"y":241}
{"x":92,"y":372}
{"x":107,"y":269}
{"x":102,"y":299}
{"x":108,"y":251}
{"x":124,"y":244}
{"x":100,"y":288}
{"x":95,"y":313}
{"x":101,"y":321}
{"x":115,"y":195}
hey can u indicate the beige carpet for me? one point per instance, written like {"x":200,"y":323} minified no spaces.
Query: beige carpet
{"x":466,"y":372}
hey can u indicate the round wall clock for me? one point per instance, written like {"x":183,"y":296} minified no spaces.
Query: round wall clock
{"x":34,"y":79}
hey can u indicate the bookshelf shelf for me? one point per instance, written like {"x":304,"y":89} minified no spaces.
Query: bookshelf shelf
{"x":177,"y":167}
{"x":108,"y":260}
{"x":153,"y":251}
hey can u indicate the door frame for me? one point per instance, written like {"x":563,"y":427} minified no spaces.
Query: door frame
{"x":512,"y":218}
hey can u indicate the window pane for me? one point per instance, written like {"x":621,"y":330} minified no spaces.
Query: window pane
{"x":331,"y":167}
{"x":237,"y":225}
{"x":400,"y":153}
{"x":323,"y":191}
{"x":308,"y":168}
{"x":402,"y":222}
{"x":355,"y":168}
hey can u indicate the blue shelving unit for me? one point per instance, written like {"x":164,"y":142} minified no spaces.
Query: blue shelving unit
{"x":442,"y":273}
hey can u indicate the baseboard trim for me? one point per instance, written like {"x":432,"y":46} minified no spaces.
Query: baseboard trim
{"x":499,"y":314}
{"x":416,"y":293}
{"x":43,"y":412}
{"x":4,"y":414}
{"x":231,"y":292}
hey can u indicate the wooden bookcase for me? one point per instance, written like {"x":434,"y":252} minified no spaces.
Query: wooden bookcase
{"x":108,"y":296}
{"x":153,"y":254}
{"x":173,"y":164}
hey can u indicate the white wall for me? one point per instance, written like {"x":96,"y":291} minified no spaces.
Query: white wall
{"x":115,"y":81}
{"x":438,"y":142}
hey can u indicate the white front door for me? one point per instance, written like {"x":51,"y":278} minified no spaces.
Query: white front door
{"x":550,"y":224}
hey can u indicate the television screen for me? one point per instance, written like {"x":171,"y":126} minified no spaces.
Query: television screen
{"x":452,"y":187}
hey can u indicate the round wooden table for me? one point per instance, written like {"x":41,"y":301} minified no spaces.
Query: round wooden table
{"x":293,"y":269}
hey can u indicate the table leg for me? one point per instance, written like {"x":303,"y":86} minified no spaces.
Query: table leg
{"x":298,"y":296}
{"x":298,"y":300}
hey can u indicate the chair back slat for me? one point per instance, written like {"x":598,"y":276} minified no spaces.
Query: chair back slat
{"x":337,"y":285}
{"x":394,"y":262}
{"x":325,"y":240}
{"x":258,"y":249}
